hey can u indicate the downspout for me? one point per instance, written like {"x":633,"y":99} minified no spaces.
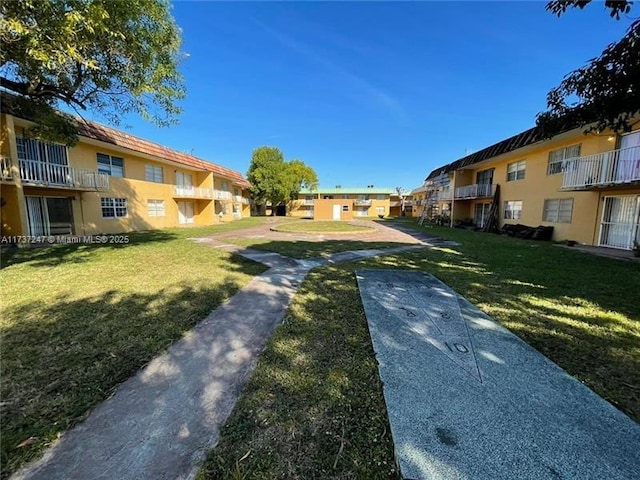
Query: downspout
{"x":453,"y":196}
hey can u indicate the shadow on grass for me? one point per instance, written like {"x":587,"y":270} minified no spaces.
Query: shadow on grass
{"x":61,"y":358}
{"x":313,"y":407}
{"x":49,"y":256}
{"x":302,"y":249}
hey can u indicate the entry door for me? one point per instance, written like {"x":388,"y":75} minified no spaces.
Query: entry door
{"x":481,"y":214}
{"x":38,"y":216}
{"x":336,"y":212}
{"x":185,"y":212}
{"x":184,"y":183}
{"x":628,"y":166}
{"x":620,"y":222}
{"x":49,"y":216}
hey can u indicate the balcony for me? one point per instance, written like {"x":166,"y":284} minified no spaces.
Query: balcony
{"x":616,"y":167}
{"x":51,"y":175}
{"x":192,"y":192}
{"x":222,"y":195}
{"x":307,"y":203}
{"x":444,"y":195}
{"x":478,"y":190}
{"x":5,"y":169}
{"x":240,"y":199}
{"x":362,"y":203}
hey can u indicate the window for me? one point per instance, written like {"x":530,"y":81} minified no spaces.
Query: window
{"x":515,"y":170}
{"x":345,"y":197}
{"x":345,"y":208}
{"x":556,"y":163}
{"x":153,"y":173}
{"x":308,"y":197}
{"x":557,"y":210}
{"x":380,"y":210}
{"x":485,"y":177}
{"x":513,"y":210}
{"x":381,"y":197}
{"x":224,"y":186}
{"x":236,"y":192}
{"x":155,"y":208}
{"x":236,"y":208}
{"x":109,"y":165}
{"x":113,"y":207}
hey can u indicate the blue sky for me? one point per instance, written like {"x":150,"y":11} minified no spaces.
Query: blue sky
{"x":370,"y":92}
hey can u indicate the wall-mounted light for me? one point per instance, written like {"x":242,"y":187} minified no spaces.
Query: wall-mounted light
{"x":611,"y":138}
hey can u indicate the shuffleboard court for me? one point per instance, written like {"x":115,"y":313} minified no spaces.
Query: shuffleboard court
{"x":467,"y":399}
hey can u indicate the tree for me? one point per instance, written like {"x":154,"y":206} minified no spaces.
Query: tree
{"x":111,"y":57}
{"x":275,"y":180}
{"x":604,"y":93}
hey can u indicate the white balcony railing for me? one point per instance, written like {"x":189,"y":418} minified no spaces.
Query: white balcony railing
{"x":361,"y":202}
{"x":444,"y":195}
{"x":222,"y":195}
{"x":192,"y":192}
{"x":609,"y":168}
{"x":5,"y":169}
{"x":33,"y":172}
{"x":478,"y":190}
{"x":307,"y":202}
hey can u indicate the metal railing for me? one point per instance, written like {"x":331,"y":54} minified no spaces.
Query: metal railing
{"x":33,"y":172}
{"x":361,"y":203}
{"x":608,"y":168}
{"x":307,"y":202}
{"x":193,"y":192}
{"x":222,"y":195}
{"x":477,"y":190}
{"x":5,"y":168}
{"x":443,"y":195}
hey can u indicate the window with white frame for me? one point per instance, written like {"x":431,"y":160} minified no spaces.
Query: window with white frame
{"x":558,"y":210}
{"x":113,"y":207}
{"x":236,"y":208}
{"x":513,"y":209}
{"x":380,"y":210}
{"x":110,"y":165}
{"x":153,"y":173}
{"x":557,"y":158}
{"x":155,"y":208}
{"x":515,"y":170}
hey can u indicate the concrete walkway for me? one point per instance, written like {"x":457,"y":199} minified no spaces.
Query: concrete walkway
{"x":468,"y":400}
{"x":160,"y":423}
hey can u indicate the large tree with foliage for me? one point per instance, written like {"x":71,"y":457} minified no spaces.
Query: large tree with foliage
{"x":109,"y":56}
{"x":604,"y":93}
{"x":275,"y":180}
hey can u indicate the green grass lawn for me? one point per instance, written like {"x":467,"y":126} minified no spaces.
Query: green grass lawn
{"x":321,"y":226}
{"x":308,"y":249}
{"x":77,"y":320}
{"x":313,"y":407}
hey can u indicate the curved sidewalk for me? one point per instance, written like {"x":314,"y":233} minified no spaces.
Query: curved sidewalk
{"x":161,"y":422}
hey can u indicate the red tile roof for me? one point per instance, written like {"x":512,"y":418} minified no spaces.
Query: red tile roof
{"x":110,"y":135}
{"x":116,"y":137}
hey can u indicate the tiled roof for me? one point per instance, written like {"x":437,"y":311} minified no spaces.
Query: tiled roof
{"x":528,"y":137}
{"x":116,"y":137}
{"x":347,"y":191}
{"x":110,"y":135}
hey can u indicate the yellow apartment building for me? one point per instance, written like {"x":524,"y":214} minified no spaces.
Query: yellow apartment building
{"x":587,"y":186}
{"x":342,"y":203}
{"x":109,"y":182}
